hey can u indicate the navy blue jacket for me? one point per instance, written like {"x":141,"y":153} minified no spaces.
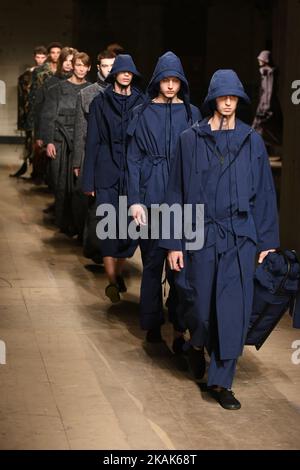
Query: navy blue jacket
{"x":105,"y":156}
{"x":249,"y":209}
{"x":153,"y":135}
{"x":277,"y":289}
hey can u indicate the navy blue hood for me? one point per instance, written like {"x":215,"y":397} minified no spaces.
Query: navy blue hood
{"x":225,"y":83}
{"x":122,"y":63}
{"x":168,"y":65}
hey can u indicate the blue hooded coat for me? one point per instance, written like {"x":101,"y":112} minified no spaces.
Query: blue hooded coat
{"x":153,"y":134}
{"x":228,"y":172}
{"x":106,"y":145}
{"x":105,"y":156}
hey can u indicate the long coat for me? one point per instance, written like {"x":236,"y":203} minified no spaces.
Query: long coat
{"x":153,"y":134}
{"x":240,"y":219}
{"x":57,"y":127}
{"x":84,"y":100}
{"x":106,"y":145}
{"x":80,"y":201}
{"x":151,"y":149}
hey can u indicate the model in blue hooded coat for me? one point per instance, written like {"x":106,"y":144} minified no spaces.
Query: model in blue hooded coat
{"x":153,"y":134}
{"x":105,"y":159}
{"x":228,"y":171}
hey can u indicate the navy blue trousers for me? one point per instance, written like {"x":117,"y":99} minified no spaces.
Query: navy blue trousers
{"x":151,"y":299}
{"x":216,"y":293}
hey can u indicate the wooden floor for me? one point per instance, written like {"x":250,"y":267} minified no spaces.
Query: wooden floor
{"x":78,"y":374}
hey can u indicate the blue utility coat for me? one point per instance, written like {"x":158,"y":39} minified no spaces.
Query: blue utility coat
{"x":153,"y":135}
{"x":105,"y":158}
{"x":236,"y":186}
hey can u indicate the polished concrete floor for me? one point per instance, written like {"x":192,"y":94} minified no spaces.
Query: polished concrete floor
{"x":78,"y":374}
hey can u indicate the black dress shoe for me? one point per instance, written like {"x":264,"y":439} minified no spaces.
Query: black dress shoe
{"x":21,"y":171}
{"x":178,"y":344}
{"x":226,"y":398}
{"x":154,"y":335}
{"x":197,"y":362}
{"x":50,"y":209}
{"x":112,"y":292}
{"x":97,"y":259}
{"x":121,"y":284}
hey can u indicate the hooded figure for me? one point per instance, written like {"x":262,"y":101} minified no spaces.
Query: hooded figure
{"x":228,"y":172}
{"x":105,"y":157}
{"x":123,"y":63}
{"x":104,"y":165}
{"x":153,"y":134}
{"x":268,"y":121}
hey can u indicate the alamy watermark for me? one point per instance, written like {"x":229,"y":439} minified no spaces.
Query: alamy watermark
{"x":2,"y":353}
{"x":174,"y":222}
{"x":296,"y":353}
{"x":296,"y":93}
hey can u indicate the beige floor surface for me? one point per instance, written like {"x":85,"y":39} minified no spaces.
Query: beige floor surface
{"x":78,"y":374}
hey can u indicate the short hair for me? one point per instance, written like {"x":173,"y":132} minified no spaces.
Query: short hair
{"x":85,"y":59}
{"x":52,"y":45}
{"x":115,"y":48}
{"x":65,"y":52}
{"x":40,"y":50}
{"x":105,"y":55}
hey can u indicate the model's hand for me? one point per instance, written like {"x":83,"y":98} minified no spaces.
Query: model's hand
{"x":39,"y":143}
{"x":175,"y":259}
{"x":139,"y":215}
{"x":76,"y":172}
{"x":90,"y":193}
{"x":263,"y":254}
{"x":51,"y":151}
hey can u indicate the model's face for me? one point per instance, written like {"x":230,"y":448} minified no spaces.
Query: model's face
{"x":105,"y":66}
{"x":169,"y":87}
{"x":80,"y":70}
{"x":67,"y":65}
{"x":40,"y":59}
{"x":226,"y":105}
{"x":124,"y":78}
{"x":54,"y":54}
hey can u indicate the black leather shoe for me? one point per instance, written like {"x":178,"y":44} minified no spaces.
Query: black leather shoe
{"x":197,"y":362}
{"x":21,"y":171}
{"x":50,"y":209}
{"x":178,"y":344}
{"x":226,"y":398}
{"x":112,"y":292}
{"x":121,"y":284}
{"x":154,"y":336}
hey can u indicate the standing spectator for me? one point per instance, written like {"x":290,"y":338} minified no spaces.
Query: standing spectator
{"x":268,"y":117}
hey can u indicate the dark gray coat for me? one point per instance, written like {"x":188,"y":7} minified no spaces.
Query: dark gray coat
{"x":84,"y":99}
{"x":57,"y":127}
